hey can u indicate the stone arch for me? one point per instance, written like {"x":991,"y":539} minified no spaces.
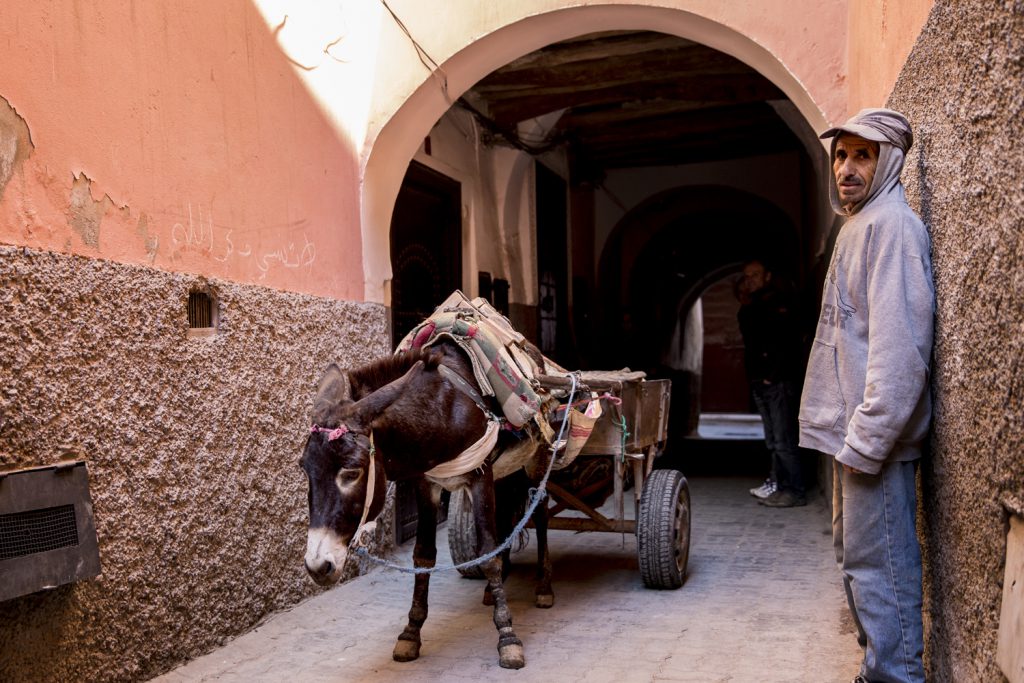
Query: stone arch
{"x":769,"y":233}
{"x":399,"y":138}
{"x":658,"y":261}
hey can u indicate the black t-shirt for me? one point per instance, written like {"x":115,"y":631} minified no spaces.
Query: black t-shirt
{"x":770,"y":325}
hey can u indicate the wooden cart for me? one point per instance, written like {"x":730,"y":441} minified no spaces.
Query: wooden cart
{"x":630,"y":434}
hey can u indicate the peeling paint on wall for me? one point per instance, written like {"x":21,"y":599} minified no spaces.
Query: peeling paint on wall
{"x":152,"y":242}
{"x":85,"y":214}
{"x":15,"y":143}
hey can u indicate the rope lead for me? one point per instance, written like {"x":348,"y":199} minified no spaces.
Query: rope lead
{"x":625,"y":436}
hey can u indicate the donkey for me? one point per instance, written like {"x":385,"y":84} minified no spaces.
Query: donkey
{"x":407,"y":414}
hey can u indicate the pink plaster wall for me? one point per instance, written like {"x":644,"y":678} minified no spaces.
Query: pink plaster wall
{"x":807,"y":36}
{"x":175,"y":135}
{"x":882,"y":34}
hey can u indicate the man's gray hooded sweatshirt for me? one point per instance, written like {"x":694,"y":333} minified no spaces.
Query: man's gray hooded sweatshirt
{"x":866,"y":397}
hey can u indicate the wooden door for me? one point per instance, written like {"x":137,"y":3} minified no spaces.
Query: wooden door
{"x":426,"y":246}
{"x":553,"y":267}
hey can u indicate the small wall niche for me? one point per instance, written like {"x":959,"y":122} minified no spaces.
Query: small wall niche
{"x":202,"y":314}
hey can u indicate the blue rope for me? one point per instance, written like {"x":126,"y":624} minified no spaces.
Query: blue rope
{"x":625,"y":436}
{"x":538,"y":494}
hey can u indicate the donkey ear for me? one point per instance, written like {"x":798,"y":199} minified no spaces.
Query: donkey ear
{"x":362,"y":412}
{"x":331,"y":390}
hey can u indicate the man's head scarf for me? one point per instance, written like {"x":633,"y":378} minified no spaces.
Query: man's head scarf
{"x":879,"y":125}
{"x":892,"y":131}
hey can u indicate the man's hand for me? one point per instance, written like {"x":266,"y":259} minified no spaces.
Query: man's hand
{"x":851,"y":470}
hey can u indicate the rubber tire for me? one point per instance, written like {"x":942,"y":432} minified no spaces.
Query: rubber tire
{"x":663,"y":529}
{"x":462,"y":533}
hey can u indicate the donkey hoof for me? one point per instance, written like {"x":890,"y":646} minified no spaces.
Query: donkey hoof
{"x":406,"y":651}
{"x":545,"y":601}
{"x":511,"y":657}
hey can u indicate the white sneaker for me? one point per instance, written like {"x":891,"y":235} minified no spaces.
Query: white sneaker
{"x":764,"y":490}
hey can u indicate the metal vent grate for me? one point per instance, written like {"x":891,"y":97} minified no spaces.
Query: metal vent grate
{"x":36,"y":531}
{"x":47,"y":533}
{"x":200,"y":310}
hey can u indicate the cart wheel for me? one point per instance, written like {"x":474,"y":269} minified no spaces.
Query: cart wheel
{"x":663,"y":529}
{"x":462,"y":533}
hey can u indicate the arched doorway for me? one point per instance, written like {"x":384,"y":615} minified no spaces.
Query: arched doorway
{"x":411,"y":122}
{"x":660,"y":259}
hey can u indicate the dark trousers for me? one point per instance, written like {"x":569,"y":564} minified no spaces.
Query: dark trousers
{"x":779,"y":403}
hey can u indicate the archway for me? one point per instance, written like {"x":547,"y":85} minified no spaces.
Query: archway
{"x":398,"y":140}
{"x":662,"y":257}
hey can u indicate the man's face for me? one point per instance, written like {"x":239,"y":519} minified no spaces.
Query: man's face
{"x":854,"y":166}
{"x":754,"y":277}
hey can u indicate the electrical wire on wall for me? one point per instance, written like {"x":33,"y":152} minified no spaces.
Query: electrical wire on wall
{"x":496,"y":130}
{"x":432,"y":66}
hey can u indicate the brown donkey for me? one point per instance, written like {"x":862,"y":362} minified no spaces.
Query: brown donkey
{"x":408,"y":414}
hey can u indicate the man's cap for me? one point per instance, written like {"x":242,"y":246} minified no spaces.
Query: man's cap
{"x":879,"y":125}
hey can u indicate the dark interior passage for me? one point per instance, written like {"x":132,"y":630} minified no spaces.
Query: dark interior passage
{"x":680,"y":164}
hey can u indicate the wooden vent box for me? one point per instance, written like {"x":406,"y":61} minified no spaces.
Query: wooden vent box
{"x":47,"y":533}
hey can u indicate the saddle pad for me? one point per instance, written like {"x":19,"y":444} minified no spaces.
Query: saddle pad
{"x":486,"y":337}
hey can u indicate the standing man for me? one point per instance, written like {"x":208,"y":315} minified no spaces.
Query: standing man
{"x":866,"y":399}
{"x":771,"y":356}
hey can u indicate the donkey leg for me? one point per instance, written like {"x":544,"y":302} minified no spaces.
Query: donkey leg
{"x":424,"y":555}
{"x":544,"y":595}
{"x":506,"y":495}
{"x":510,"y":648}
{"x":506,"y":568}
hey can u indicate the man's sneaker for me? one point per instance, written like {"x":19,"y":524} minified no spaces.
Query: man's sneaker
{"x":783,"y":499}
{"x":764,"y":490}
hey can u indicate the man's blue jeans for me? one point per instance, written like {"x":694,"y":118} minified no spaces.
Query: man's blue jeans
{"x":875,"y":537}
{"x":779,"y":403}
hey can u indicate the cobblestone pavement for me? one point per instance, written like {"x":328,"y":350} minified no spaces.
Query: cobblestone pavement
{"x":762,"y":602}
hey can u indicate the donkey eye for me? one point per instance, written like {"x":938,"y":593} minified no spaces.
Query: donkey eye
{"x":349,"y":475}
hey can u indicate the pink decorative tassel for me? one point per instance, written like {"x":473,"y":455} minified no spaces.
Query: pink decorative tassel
{"x":332,"y":434}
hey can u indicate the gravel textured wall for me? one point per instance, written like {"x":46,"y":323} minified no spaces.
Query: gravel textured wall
{"x":961,"y":88}
{"x":192,"y":446}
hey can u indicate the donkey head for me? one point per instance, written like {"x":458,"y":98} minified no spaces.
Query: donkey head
{"x":337,"y":461}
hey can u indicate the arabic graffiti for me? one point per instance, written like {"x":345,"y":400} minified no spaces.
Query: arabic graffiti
{"x":289,"y":256}
{"x":200,"y":232}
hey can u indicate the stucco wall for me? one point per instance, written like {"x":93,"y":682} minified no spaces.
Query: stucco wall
{"x":961,"y":90}
{"x":881,"y":35}
{"x":179,"y":136}
{"x":192,"y":447}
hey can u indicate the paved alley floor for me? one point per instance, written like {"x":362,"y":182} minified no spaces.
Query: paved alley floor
{"x":762,"y":602}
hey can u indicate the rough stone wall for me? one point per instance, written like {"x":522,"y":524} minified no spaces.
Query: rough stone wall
{"x":192,"y":447}
{"x":961,"y":88}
